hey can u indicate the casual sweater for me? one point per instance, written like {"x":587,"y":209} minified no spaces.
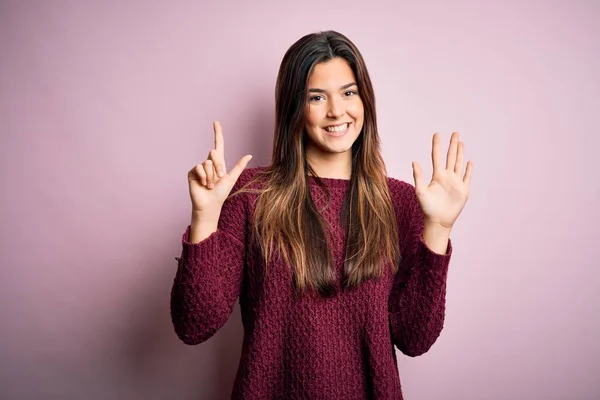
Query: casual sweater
{"x":312,"y":347}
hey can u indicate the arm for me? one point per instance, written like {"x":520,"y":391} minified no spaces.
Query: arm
{"x":209,"y":274}
{"x":418,"y":299}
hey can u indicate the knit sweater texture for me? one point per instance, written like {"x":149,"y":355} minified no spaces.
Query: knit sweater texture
{"x":312,"y":347}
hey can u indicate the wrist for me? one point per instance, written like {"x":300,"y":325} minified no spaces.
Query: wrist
{"x":437,"y":226}
{"x":436,"y":236}
{"x":202,"y":225}
{"x":205,"y":217}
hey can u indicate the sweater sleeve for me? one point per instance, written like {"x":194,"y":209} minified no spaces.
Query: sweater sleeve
{"x":417,"y":302}
{"x":209,"y":275}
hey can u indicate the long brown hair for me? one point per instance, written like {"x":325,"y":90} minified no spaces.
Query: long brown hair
{"x":286,"y":219}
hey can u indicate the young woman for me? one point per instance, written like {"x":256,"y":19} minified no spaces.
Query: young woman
{"x":333,"y":262}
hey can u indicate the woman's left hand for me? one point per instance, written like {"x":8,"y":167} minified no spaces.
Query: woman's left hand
{"x":443,"y":199}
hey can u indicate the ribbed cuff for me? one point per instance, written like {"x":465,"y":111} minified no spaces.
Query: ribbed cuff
{"x":432,"y":259}
{"x":195,"y":253}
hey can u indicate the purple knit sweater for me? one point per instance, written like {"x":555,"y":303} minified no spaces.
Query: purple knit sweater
{"x":312,"y":348}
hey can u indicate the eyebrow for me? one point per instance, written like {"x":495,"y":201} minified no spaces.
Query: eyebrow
{"x":316,"y":90}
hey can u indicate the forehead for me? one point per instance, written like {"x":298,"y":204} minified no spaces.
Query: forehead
{"x":331,"y":74}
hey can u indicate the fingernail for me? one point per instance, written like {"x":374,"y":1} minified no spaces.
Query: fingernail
{"x":211,"y":185}
{"x":220,"y":173}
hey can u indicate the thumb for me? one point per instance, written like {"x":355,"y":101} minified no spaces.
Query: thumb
{"x":417,"y":176}
{"x":237,"y":170}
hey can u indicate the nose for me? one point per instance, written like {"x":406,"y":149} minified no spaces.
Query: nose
{"x":335,"y":108}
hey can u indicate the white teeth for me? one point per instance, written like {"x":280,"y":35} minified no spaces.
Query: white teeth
{"x":338,"y":128}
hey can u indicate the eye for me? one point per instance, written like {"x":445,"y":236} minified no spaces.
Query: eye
{"x":349,"y":92}
{"x":315,"y":97}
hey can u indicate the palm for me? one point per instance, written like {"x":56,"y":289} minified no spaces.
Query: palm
{"x":443,"y":199}
{"x":204,"y":198}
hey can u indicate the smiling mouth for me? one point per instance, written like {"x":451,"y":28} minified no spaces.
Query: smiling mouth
{"x":337,"y":129}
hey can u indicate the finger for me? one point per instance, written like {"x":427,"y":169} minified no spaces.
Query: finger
{"x":436,"y":157}
{"x":219,"y":162}
{"x":468,"y":172}
{"x":417,"y":176}
{"x":210,"y":176}
{"x":199,"y":171}
{"x":237,"y":170}
{"x":219,"y":150}
{"x":452,"y":152}
{"x":219,"y":141}
{"x":460,"y":158}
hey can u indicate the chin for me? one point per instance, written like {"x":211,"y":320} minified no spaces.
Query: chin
{"x":337,"y":149}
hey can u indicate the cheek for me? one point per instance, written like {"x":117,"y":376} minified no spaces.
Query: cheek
{"x":313,"y":117}
{"x":356,"y":109}
{"x":358,"y":114}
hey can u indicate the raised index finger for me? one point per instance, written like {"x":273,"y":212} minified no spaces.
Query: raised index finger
{"x":219,"y":145}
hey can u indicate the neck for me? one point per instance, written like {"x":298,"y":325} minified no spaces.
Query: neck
{"x":336,"y":166}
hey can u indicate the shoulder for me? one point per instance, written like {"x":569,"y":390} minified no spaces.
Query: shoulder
{"x":400,"y":189}
{"x":244,"y":188}
{"x":402,"y":194}
{"x":250,"y":177}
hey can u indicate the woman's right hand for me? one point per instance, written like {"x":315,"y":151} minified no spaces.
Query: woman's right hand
{"x":210,"y":183}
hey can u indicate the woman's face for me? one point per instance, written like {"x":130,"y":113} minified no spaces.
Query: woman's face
{"x":334,"y":113}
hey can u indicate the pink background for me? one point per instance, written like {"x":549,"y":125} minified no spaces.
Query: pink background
{"x":104,"y":107}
